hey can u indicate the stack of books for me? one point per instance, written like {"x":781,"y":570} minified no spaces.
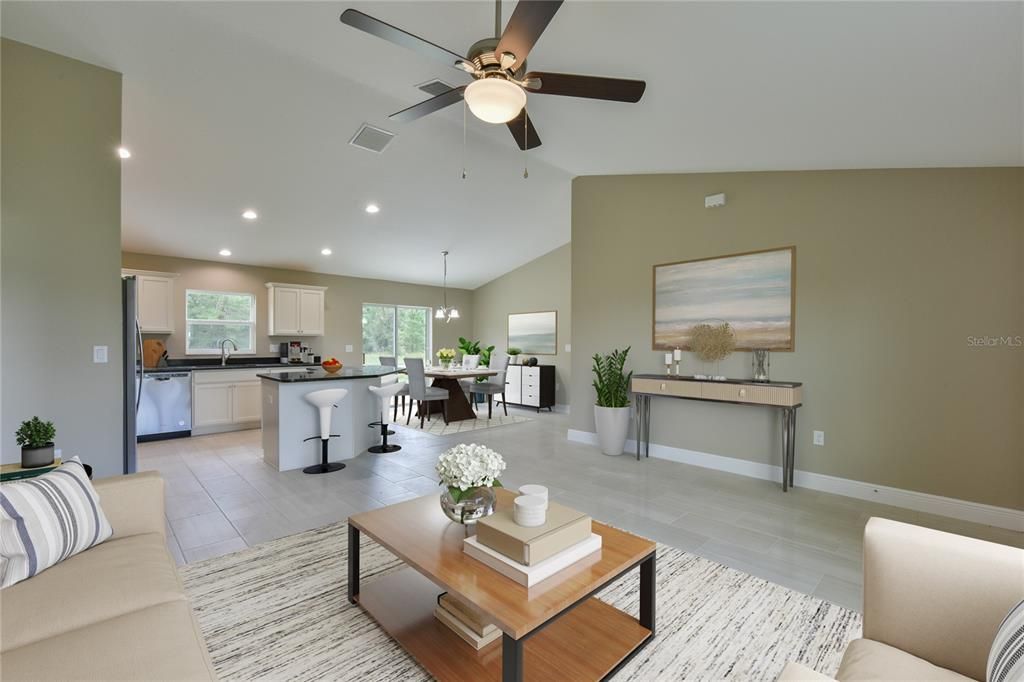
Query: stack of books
{"x":466,"y":621}
{"x":531,"y":554}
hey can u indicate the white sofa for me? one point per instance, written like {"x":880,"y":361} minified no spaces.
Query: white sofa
{"x":932,"y":604}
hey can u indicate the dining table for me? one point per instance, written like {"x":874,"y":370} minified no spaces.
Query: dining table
{"x":448,"y":378}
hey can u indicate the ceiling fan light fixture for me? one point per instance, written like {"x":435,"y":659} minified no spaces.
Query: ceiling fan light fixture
{"x":495,"y":100}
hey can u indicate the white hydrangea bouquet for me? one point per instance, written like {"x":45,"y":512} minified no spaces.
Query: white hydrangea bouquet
{"x":468,"y":473}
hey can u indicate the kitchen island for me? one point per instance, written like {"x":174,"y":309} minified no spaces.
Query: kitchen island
{"x":288,"y":420}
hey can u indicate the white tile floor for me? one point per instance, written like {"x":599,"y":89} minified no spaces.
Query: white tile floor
{"x":221,"y":498}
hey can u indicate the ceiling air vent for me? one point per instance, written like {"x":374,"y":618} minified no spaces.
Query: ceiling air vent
{"x":435,"y":87}
{"x":372,"y":138}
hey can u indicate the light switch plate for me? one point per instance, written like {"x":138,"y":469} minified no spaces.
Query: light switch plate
{"x":819,"y":437}
{"x":348,"y":347}
{"x":275,"y":348}
{"x":99,"y":355}
{"x":568,"y":348}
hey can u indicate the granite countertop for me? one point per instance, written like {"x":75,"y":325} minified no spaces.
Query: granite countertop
{"x":364,"y":372}
{"x":188,"y":365}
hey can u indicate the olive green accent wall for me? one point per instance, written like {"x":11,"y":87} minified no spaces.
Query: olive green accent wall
{"x":59,"y":252}
{"x":542,"y":284}
{"x":897,"y":270}
{"x":343,"y":302}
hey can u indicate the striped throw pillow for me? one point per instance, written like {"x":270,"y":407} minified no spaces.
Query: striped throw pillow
{"x":46,"y":519}
{"x":1006,"y":658}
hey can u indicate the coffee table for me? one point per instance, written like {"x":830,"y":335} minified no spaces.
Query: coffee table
{"x":555,"y":630}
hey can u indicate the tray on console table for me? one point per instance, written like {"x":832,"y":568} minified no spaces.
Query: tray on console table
{"x":784,"y":395}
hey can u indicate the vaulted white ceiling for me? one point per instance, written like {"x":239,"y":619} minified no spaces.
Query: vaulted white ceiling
{"x":229,"y":105}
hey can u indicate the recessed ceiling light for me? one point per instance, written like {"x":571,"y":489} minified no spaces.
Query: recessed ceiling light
{"x":326,"y":252}
{"x":124,"y":152}
{"x":250,"y":214}
{"x":225,"y":252}
{"x":372,"y":208}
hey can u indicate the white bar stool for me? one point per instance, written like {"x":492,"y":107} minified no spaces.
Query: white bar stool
{"x":325,"y":401}
{"x":385,"y":393}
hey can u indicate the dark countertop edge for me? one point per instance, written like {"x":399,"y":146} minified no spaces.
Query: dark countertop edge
{"x":321,"y":375}
{"x":218,"y":366}
{"x":746,"y":382}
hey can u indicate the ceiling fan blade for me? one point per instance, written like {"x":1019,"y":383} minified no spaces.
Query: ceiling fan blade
{"x":522,"y":129}
{"x":429,"y":106}
{"x":524,"y":27}
{"x":393,"y":34}
{"x":593,"y":87}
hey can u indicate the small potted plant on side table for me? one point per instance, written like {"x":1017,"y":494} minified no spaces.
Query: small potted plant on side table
{"x":36,"y":440}
{"x":611,"y":411}
{"x":513,"y":355}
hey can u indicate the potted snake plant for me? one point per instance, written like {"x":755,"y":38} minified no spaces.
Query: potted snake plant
{"x":611,"y":411}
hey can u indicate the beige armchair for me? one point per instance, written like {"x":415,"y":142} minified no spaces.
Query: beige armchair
{"x":932,"y":604}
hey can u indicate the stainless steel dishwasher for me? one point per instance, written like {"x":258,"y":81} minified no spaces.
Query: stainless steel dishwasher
{"x":165,"y":406}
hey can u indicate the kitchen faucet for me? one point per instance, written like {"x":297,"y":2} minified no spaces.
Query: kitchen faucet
{"x":224,"y":352}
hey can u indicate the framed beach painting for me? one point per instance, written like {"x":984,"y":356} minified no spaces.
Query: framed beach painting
{"x":534,"y":333}
{"x":754,"y":292}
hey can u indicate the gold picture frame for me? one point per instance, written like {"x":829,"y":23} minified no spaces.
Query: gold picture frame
{"x":754,"y":291}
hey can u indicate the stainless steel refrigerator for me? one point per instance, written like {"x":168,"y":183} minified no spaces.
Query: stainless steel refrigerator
{"x":132,"y":370}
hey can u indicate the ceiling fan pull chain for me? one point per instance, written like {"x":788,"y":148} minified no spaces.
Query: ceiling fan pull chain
{"x":463,"y":139}
{"x":526,"y":142}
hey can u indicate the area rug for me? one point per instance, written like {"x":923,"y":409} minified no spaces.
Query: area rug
{"x":437,"y":427}
{"x":278,"y":611}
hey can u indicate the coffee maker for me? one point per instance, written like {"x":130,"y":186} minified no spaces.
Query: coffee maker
{"x":291,"y":353}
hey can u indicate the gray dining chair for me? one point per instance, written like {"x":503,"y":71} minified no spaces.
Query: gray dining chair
{"x":392,"y":361}
{"x":421,"y":393}
{"x":495,"y":385}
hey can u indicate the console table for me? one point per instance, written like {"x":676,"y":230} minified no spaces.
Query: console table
{"x":785,"y":395}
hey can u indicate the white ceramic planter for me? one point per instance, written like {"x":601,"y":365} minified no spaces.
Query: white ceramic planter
{"x":612,"y":425}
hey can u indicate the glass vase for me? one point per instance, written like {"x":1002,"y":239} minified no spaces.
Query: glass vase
{"x":474,"y":504}
{"x":761,"y":365}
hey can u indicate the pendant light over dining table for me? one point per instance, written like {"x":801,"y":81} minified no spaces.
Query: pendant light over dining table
{"x":444,"y":312}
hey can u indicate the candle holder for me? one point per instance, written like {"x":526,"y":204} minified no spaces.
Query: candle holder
{"x":761,"y":363}
{"x":668,"y":364}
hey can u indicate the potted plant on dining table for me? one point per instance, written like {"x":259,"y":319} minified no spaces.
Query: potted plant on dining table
{"x":445,"y":357}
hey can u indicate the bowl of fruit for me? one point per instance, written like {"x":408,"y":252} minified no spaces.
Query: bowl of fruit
{"x":331,"y":365}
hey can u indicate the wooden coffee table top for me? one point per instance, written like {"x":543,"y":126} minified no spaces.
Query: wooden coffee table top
{"x":419,"y":533}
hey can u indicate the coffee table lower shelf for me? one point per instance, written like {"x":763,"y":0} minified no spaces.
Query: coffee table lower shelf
{"x":589,"y":642}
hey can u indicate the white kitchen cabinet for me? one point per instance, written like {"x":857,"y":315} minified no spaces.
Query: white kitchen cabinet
{"x":295,"y":310}
{"x":155,"y":300}
{"x":225,"y":400}
{"x":245,"y":402}
{"x":211,"y":405}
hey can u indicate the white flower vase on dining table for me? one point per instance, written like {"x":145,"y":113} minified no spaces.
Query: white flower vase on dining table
{"x":612,"y":424}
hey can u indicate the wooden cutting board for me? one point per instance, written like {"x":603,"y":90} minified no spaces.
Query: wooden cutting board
{"x":152,"y":351}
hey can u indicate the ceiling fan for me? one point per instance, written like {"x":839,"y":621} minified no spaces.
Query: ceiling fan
{"x":498,"y":67}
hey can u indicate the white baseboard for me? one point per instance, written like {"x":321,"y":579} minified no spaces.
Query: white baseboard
{"x":989,"y":515}
{"x":561,"y":408}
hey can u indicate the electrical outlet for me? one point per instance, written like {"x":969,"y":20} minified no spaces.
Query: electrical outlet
{"x":819,"y":437}
{"x":275,"y":348}
{"x":99,"y":354}
{"x":348,"y":348}
{"x":568,"y":348}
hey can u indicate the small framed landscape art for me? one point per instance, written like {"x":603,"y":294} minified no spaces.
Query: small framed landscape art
{"x":534,"y":333}
{"x":754,"y":292}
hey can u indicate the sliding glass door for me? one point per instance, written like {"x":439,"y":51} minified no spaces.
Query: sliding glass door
{"x":395,"y":330}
